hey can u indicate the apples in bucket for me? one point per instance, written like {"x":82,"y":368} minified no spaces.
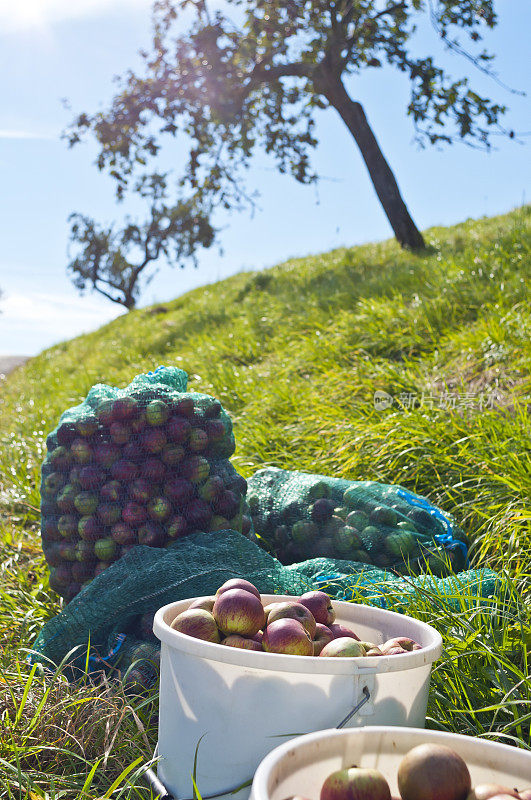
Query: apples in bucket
{"x":426,"y":772}
{"x":236,"y":617}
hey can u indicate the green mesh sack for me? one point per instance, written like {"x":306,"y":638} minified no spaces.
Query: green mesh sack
{"x":113,"y":614}
{"x":297,"y":515}
{"x":144,"y":465}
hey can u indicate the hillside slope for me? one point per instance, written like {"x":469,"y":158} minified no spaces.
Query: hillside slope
{"x":296,"y":352}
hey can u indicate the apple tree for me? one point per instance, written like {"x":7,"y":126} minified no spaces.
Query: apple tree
{"x":232,"y":77}
{"x":116,"y":262}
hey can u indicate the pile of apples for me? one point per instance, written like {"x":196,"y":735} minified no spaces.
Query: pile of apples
{"x":135,"y":470}
{"x":427,"y":772}
{"x":350,"y":525}
{"x":236,"y":617}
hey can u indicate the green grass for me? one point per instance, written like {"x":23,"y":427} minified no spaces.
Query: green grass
{"x":295,"y":354}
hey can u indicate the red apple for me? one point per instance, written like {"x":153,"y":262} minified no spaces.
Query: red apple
{"x":54,"y":482}
{"x":151,"y":534}
{"x":134,"y":514}
{"x":340,"y":631}
{"x":140,"y":490}
{"x":184,"y":407}
{"x":89,"y":528}
{"x":486,"y":791}
{"x":111,"y":491}
{"x":177,"y":527}
{"x":109,"y":513}
{"x":122,"y":534}
{"x":198,"y":440}
{"x":322,"y":510}
{"x":124,"y":408}
{"x":153,"y":470}
{"x":400,"y":641}
{"x":321,"y":638}
{"x":207,"y":603}
{"x":67,"y":526}
{"x":67,"y":551}
{"x":293,"y":610}
{"x":172,"y":454}
{"x":198,"y":623}
{"x":132,"y":451}
{"x":235,"y":640}
{"x":238,"y":611}
{"x":157,"y":412}
{"x":178,"y":430}
{"x":153,"y":440}
{"x":120,"y":432}
{"x":504,"y":796}
{"x":212,"y":408}
{"x":66,"y":498}
{"x":123,"y":470}
{"x":433,"y":772}
{"x":87,"y":425}
{"x":211,"y":489}
{"x":159,"y":508}
{"x":320,"y":605}
{"x":238,"y":583}
{"x":287,"y":636}
{"x":61,"y":458}
{"x":179,"y":491}
{"x":344,"y":647}
{"x":49,"y":530}
{"x":66,"y":433}
{"x":355,"y":784}
{"x":227,"y":504}
{"x":392,"y":650}
{"x":81,"y":451}
{"x":199,"y":514}
{"x":195,"y":468}
{"x":215,"y":430}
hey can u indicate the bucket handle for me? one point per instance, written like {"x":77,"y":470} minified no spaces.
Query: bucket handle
{"x":160,"y":790}
{"x":365,"y":699}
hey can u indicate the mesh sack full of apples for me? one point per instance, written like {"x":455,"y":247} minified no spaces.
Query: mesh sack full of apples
{"x":147,"y":464}
{"x":298,"y":515}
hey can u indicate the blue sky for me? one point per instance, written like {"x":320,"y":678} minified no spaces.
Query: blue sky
{"x":55,"y":49}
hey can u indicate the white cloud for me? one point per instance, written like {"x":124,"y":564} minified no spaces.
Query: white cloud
{"x":30,"y":322}
{"x":23,"y":14}
{"x":7,"y":133}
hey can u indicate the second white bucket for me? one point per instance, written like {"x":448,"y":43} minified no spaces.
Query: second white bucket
{"x":235,"y":706}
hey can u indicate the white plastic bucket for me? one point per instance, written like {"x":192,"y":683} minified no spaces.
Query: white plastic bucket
{"x":241,"y":704}
{"x":301,"y":766}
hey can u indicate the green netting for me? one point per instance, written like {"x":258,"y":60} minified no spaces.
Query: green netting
{"x":146,"y":464}
{"x":113,"y":612}
{"x":297,"y":515}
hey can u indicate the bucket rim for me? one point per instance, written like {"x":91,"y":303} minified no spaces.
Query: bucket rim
{"x":280,"y":662}
{"x":260,"y":787}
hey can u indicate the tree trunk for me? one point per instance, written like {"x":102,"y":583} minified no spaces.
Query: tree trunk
{"x":384,"y":182}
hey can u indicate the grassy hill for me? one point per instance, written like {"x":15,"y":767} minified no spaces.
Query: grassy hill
{"x":295,"y":354}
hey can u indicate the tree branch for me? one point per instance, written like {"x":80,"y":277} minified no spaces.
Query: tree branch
{"x":106,"y":294}
{"x":273,"y":73}
{"x":389,"y":10}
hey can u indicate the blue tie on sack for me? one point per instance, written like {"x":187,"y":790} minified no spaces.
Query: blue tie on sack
{"x":445,"y":540}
